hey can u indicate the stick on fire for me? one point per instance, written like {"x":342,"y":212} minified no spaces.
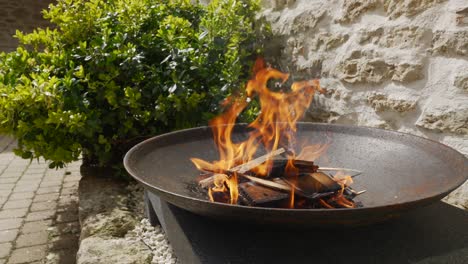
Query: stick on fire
{"x":278,"y":178}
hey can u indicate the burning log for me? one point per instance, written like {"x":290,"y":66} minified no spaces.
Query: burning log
{"x":264,"y":180}
{"x":310,"y":186}
{"x":317,"y":182}
{"x":305,"y":166}
{"x":243,"y":167}
{"x":278,"y":167}
{"x":257,"y":195}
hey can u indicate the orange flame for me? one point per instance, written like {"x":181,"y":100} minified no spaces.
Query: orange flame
{"x":292,"y":173}
{"x":274,"y":127}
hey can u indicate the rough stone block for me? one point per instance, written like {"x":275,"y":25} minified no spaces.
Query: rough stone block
{"x":382,"y":102}
{"x":115,"y":223}
{"x":352,"y":9}
{"x":113,"y":251}
{"x":450,"y":43}
{"x":361,"y":67}
{"x":325,"y":41}
{"x":402,"y":37}
{"x":445,"y":115}
{"x":461,"y":81}
{"x":397,"y":8}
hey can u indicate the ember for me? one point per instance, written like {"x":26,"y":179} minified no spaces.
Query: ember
{"x":279,"y":178}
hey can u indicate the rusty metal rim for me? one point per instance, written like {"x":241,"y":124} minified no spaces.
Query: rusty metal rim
{"x":443,"y":193}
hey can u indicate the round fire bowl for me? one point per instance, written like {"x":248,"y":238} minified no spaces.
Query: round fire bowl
{"x":400,"y":172}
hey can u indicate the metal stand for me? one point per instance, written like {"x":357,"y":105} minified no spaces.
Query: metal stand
{"x":435,"y":234}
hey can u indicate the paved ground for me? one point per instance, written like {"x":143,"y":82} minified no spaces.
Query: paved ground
{"x":38,"y":210}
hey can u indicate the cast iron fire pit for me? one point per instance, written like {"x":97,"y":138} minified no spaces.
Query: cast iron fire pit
{"x":400,"y":172}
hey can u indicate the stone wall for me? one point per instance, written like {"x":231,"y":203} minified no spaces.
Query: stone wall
{"x":393,"y":64}
{"x":24,"y":15}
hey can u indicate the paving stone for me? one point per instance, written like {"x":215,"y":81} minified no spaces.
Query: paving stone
{"x":35,"y":170}
{"x":40,"y":215}
{"x":9,"y":175}
{"x":69,"y":191}
{"x":46,"y":197}
{"x":72,"y":178}
{"x":18,"y":169}
{"x":70,"y":184}
{"x":32,"y":176}
{"x":8,"y":235}
{"x":24,"y":181}
{"x":4,"y":160}
{"x":38,"y":166}
{"x":27,"y":254}
{"x":21,"y":196}
{"x":54,"y":173}
{"x":31,"y":239}
{"x":36,"y":226}
{"x":14,"y":204}
{"x":42,"y":206}
{"x":48,"y":190}
{"x":51,"y":184}
{"x":24,"y":235}
{"x":7,"y":180}
{"x":5,"y":249}
{"x":25,"y":188}
{"x":5,"y":193}
{"x":7,"y":186}
{"x":12,"y":223}
{"x":13,"y":213}
{"x":67,"y":200}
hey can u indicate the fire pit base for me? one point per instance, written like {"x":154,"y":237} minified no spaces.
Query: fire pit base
{"x":434,"y":234}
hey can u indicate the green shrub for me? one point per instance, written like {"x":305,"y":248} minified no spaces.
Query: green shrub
{"x":112,"y":72}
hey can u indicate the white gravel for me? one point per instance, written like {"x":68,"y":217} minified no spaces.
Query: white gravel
{"x":152,"y":236}
{"x":155,"y":239}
